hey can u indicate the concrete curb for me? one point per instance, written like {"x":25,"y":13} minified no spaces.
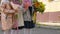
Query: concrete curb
{"x":47,"y":26}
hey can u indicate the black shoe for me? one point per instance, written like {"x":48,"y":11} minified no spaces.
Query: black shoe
{"x":14,"y":28}
{"x":20,"y":27}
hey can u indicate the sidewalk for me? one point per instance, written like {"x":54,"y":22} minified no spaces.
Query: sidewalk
{"x":48,"y":25}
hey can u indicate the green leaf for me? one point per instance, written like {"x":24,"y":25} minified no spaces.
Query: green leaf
{"x":41,"y":7}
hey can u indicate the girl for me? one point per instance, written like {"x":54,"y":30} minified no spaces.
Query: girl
{"x":6,"y":16}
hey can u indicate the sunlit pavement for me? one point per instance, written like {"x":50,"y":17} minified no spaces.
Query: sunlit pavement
{"x":40,"y":30}
{"x":35,"y":31}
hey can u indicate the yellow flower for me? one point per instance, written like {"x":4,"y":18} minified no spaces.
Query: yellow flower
{"x":36,"y":4}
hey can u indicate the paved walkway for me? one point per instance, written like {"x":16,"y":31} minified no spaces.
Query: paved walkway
{"x":35,"y":31}
{"x":49,"y":23}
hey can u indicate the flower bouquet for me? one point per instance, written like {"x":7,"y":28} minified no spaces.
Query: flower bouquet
{"x":38,"y":7}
